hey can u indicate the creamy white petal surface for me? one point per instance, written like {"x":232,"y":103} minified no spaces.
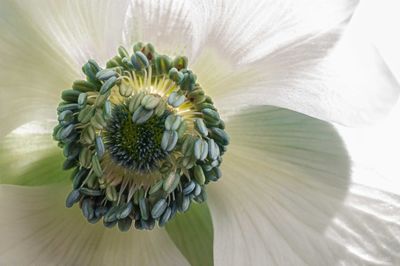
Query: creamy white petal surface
{"x":18,"y":152}
{"x":39,"y":230}
{"x":168,"y":25}
{"x":248,"y":30}
{"x":376,"y":149}
{"x":290,"y":54}
{"x":32,"y":73}
{"x":79,"y":29}
{"x":286,"y":198}
{"x":379,"y":21}
{"x":349,"y":83}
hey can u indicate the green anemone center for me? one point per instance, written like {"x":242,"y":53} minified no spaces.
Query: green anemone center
{"x":135,"y":146}
{"x":143,"y":138}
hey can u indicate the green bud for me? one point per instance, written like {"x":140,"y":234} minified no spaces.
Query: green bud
{"x":199,"y":175}
{"x":220,"y":136}
{"x":88,"y":134}
{"x":111,"y":193}
{"x":150,"y":101}
{"x":108,"y":85}
{"x":163,"y":64}
{"x":160,"y":109}
{"x":175,"y":75}
{"x":200,"y":149}
{"x":70,"y":95}
{"x":142,"y":59}
{"x":169,"y":140}
{"x":156,"y":187}
{"x":138,"y":46}
{"x":180,"y":62}
{"x":159,"y":208}
{"x":201,"y":127}
{"x":122,"y":52}
{"x":135,"y":102}
{"x":96,"y":166}
{"x":85,"y":157}
{"x":171,"y":182}
{"x":106,"y":74}
{"x":141,"y":115}
{"x":86,"y":114}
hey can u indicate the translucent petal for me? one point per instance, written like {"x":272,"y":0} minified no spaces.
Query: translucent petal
{"x":348,"y":83}
{"x":40,"y":230}
{"x":168,"y":25}
{"x":245,"y":31}
{"x":33,"y":73}
{"x":79,"y":29}
{"x":192,"y":233}
{"x":377,"y":21}
{"x":31,"y":160}
{"x":286,"y":198}
{"x":375,"y":152}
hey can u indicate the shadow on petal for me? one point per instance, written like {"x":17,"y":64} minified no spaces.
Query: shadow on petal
{"x":39,"y":230}
{"x":31,"y":160}
{"x":285,"y":177}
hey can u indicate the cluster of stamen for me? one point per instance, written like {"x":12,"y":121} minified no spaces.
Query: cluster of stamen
{"x":142,"y":137}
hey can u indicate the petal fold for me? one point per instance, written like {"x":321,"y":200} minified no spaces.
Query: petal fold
{"x":347,"y":82}
{"x":246,"y":31}
{"x":36,"y":161}
{"x":286,"y":198}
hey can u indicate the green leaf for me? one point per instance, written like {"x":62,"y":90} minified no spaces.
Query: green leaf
{"x":192,"y":233}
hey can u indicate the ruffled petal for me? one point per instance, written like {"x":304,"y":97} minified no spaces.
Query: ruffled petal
{"x":32,"y":72}
{"x":286,"y":198}
{"x":245,"y":31}
{"x":349,"y":83}
{"x":40,"y":230}
{"x":79,"y":29}
{"x":192,"y":233}
{"x":168,"y":25}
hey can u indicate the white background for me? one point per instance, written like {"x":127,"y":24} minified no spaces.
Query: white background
{"x":377,"y":147}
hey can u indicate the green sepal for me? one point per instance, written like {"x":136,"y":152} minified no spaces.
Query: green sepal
{"x":192,"y":233}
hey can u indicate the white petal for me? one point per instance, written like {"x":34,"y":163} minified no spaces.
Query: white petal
{"x":348,"y":84}
{"x":79,"y":29}
{"x":376,"y":149}
{"x":32,"y":73}
{"x":247,"y":30}
{"x":377,"y":21}
{"x":168,"y":25}
{"x":286,"y":198}
{"x":39,"y":230}
{"x":19,"y":152}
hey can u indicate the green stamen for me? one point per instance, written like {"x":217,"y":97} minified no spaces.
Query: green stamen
{"x":143,"y":137}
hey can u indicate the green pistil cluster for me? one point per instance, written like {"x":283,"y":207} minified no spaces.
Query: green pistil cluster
{"x":142,"y":137}
{"x":133,"y":145}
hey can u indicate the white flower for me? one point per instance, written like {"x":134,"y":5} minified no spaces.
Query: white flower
{"x":286,"y":196}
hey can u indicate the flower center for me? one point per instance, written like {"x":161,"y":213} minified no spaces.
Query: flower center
{"x":133,"y":145}
{"x":143,"y":138}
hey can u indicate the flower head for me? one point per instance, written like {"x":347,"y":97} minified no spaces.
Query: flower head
{"x":137,"y":132}
{"x":142,"y":136}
